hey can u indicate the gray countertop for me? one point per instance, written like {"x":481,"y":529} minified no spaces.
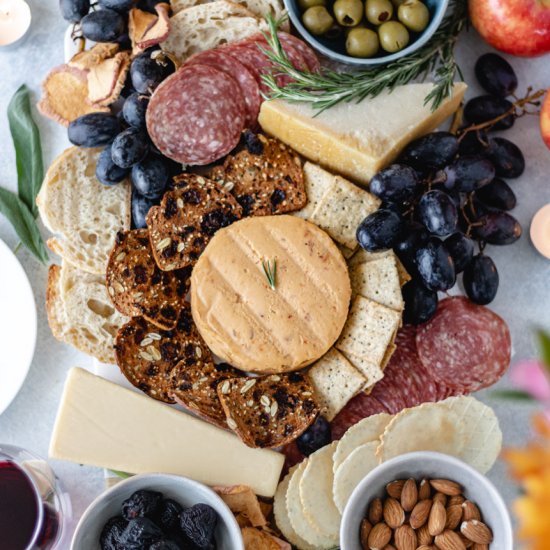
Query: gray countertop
{"x":523,"y":298}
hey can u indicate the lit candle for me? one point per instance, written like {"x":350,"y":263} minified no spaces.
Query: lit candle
{"x":15,"y":20}
{"x":540,"y":231}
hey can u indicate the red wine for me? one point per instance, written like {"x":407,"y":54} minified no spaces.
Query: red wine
{"x":19,"y":507}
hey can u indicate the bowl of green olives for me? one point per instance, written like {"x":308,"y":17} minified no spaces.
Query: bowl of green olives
{"x":366,"y":32}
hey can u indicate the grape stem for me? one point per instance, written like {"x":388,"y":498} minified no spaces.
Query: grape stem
{"x":517,"y":110}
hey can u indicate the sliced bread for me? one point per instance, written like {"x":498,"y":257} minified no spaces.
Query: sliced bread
{"x":207,"y":26}
{"x":84,"y":214}
{"x":80,"y":311}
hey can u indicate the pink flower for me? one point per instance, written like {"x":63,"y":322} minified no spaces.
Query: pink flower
{"x":532,"y":377}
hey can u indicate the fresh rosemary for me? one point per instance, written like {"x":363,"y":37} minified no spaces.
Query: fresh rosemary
{"x":270,"y":270}
{"x":328,"y":88}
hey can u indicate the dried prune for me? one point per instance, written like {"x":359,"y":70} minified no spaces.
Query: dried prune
{"x":167,"y":515}
{"x":198,"y":524}
{"x":214,"y":220}
{"x":142,"y":503}
{"x":112,"y":532}
{"x":253,"y":143}
{"x":139,"y":534}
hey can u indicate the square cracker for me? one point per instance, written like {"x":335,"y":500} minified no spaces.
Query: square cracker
{"x":363,"y":256}
{"x":335,"y":381}
{"x":369,"y":330}
{"x":378,"y":281}
{"x":372,"y":373}
{"x":317,"y":186}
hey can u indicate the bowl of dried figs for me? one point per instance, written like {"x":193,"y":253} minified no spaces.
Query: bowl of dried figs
{"x":425,"y":500}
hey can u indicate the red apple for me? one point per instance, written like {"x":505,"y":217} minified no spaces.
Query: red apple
{"x":517,"y":27}
{"x":545,"y":120}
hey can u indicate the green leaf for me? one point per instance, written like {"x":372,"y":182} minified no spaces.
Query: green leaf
{"x":28,"y":150}
{"x":24,"y":223}
{"x":544,"y":343}
{"x":516,"y":395}
{"x":123,"y":475}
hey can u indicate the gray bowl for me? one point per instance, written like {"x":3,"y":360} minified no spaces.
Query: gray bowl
{"x":424,"y":464}
{"x":185,"y":491}
{"x":335,"y":49}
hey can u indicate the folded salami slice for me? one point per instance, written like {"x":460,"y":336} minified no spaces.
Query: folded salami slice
{"x":196,"y":116}
{"x":309,"y":56}
{"x":465,"y":346}
{"x":221,"y":60}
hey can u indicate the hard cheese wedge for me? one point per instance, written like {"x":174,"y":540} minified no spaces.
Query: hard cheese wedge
{"x":102,"y":424}
{"x":358,"y":139}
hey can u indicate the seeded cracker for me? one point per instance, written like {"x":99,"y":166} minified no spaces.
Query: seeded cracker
{"x":266,"y":178}
{"x":138,"y":287}
{"x":268,"y":411}
{"x":187,"y":218}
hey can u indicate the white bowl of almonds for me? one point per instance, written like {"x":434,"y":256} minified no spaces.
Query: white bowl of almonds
{"x":425,"y":500}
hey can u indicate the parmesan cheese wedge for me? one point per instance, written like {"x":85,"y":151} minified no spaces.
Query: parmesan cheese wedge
{"x":358,"y":139}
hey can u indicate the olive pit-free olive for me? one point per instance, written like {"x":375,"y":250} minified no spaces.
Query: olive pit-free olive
{"x":393,"y":36}
{"x":348,"y":12}
{"x":378,"y":11}
{"x":362,"y":42}
{"x":317,"y":20}
{"x":305,"y":4}
{"x":414,"y":15}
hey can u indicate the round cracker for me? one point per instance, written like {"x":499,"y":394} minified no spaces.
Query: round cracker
{"x":429,"y":427}
{"x":355,"y":467}
{"x":281,"y":515}
{"x":479,"y":429}
{"x":316,"y":494}
{"x":300,"y":523}
{"x":366,"y":430}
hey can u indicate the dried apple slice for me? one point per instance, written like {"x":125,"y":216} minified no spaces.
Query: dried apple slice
{"x":88,"y":59}
{"x":146,"y":29}
{"x":106,"y":80}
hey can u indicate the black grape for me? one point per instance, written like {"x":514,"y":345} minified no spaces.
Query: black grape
{"x":415,"y":236}
{"x":117,"y":5}
{"x":150,"y":177}
{"x":481,"y":280}
{"x":431,"y":151}
{"x":435,"y":265}
{"x":487,"y":107}
{"x":140,"y":209}
{"x":106,"y":171}
{"x":74,"y":10}
{"x":466,"y":174}
{"x":129,"y":147}
{"x":396,"y":183}
{"x":93,"y":130}
{"x":438,"y":213}
{"x":474,"y":143}
{"x":496,"y":75}
{"x":134,"y":110}
{"x":497,"y":194}
{"x":506,"y":157}
{"x":147,"y":73}
{"x":103,"y":26}
{"x":316,"y":436}
{"x":498,"y":228}
{"x":461,"y":249}
{"x":420,"y":303}
{"x":380,"y":230}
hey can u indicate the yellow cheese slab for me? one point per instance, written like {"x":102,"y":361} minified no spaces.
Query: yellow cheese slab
{"x":358,"y":139}
{"x":102,"y":424}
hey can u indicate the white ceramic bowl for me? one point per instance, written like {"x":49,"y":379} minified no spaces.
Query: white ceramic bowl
{"x":185,"y":491}
{"x":477,"y":488}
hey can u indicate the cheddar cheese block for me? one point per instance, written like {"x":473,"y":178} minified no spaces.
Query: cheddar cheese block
{"x":149,"y":436}
{"x":253,"y":326}
{"x":358,"y":139}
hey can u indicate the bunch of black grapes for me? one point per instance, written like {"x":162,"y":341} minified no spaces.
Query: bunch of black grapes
{"x":446,"y":194}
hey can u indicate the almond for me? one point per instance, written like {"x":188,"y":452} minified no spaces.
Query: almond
{"x":437,"y":519}
{"x":446,"y":486}
{"x":394,"y":515}
{"x":366,"y":528}
{"x":427,"y":547}
{"x":409,"y":495}
{"x":454,"y":516}
{"x":480,"y":547}
{"x":405,"y":538}
{"x":424,"y":536}
{"x":476,"y":531}
{"x":389,"y":547}
{"x":449,"y":540}
{"x":394,"y":488}
{"x":470,"y":511}
{"x":457,"y":499}
{"x":379,"y":536}
{"x":375,"y":511}
{"x":420,"y":513}
{"x":441,"y":498}
{"x":424,"y":490}
{"x":467,"y":542}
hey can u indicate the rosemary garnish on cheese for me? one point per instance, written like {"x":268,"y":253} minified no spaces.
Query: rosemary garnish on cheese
{"x":270,"y":270}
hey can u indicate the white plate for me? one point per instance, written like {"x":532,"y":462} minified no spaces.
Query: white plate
{"x":17,"y":326}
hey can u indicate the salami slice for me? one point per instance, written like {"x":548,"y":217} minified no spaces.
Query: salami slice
{"x":309,"y":56}
{"x":464,"y":346}
{"x":359,"y":407}
{"x":196,"y":116}
{"x":219,"y":59}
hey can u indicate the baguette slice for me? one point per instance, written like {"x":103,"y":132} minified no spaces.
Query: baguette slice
{"x":84,"y":214}
{"x":208,"y":26}
{"x":80,"y":311}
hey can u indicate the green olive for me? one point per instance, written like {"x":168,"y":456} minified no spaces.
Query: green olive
{"x":393,"y":36}
{"x":348,"y":12}
{"x":397,"y":3}
{"x":378,"y":11}
{"x":414,"y":15}
{"x":360,"y":26}
{"x":305,"y":4}
{"x":362,"y":42}
{"x":317,"y":20}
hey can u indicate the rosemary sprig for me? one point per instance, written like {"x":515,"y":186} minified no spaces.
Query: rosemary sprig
{"x":270,"y":270}
{"x":328,"y":88}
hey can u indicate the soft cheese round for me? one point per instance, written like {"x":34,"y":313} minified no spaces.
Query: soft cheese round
{"x":260,"y":329}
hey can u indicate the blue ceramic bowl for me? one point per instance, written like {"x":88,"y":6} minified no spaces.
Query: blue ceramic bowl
{"x":335,"y":48}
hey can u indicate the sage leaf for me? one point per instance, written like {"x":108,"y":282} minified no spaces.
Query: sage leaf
{"x":28,"y":149}
{"x":24,"y":223}
{"x":516,"y":395}
{"x":120,"y":474}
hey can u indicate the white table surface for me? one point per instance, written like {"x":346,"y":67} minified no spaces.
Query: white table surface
{"x":523,"y":298}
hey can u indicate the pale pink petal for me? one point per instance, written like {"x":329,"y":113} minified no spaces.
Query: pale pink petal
{"x":531,"y":376}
